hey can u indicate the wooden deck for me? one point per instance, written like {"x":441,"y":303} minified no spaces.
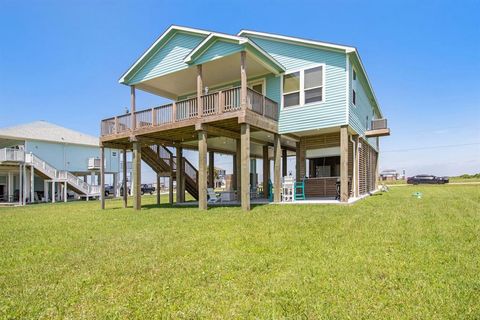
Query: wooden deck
{"x":179,"y":120}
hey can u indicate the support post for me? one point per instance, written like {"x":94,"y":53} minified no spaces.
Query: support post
{"x":277,"y":155}
{"x":344,"y":163}
{"x":102,"y":178}
{"x":199,"y":91}
{"x":179,"y":174}
{"x":137,"y":175}
{"x":158,"y":178}
{"x":45,"y":191}
{"x":211,"y":169}
{"x":284,"y":163}
{"x":266,"y":171}
{"x":202,"y":169}
{"x":234,"y":176}
{"x":10,"y":186}
{"x":32,"y":184}
{"x":65,"y":192}
{"x":243,"y":80}
{"x":20,"y":185}
{"x":245,"y":164}
{"x":238,"y":173}
{"x":300,"y":168}
{"x":170,"y":181}
{"x":356,"y":170}
{"x":25,"y":184}
{"x":124,"y":169}
{"x":132,"y":107}
{"x":53,"y":192}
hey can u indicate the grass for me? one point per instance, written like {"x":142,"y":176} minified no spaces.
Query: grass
{"x":388,"y":256}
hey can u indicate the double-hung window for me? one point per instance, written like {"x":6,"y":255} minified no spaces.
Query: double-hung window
{"x":303,"y":87}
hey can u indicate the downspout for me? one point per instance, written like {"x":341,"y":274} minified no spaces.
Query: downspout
{"x":354,"y":184}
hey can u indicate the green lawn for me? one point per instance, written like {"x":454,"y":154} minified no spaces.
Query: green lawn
{"x":389,"y":256}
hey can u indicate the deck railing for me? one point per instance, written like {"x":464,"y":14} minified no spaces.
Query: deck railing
{"x":214,"y":103}
{"x":10,"y":154}
{"x":379,"y":124}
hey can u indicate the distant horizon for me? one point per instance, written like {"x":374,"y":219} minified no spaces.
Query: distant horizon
{"x":61,"y":63}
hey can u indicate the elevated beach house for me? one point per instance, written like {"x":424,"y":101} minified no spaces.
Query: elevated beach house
{"x":40,"y":161}
{"x":252,"y":95}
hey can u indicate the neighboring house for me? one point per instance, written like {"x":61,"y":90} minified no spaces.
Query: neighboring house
{"x":253,"y":95}
{"x":38,"y":159}
{"x":389,"y":175}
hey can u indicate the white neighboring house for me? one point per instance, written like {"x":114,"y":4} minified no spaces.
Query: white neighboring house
{"x":41,"y":161}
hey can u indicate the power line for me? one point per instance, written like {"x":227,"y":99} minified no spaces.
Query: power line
{"x":434,"y":147}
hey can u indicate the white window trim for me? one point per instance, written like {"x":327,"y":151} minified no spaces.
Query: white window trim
{"x":261,"y":81}
{"x":302,"y":89}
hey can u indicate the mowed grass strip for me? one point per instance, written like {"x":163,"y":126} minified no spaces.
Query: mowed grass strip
{"x":388,"y":256}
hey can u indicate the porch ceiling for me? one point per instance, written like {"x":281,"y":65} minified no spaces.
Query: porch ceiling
{"x":216,"y":73}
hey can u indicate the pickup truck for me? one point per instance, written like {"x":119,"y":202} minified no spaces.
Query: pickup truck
{"x":147,"y":188}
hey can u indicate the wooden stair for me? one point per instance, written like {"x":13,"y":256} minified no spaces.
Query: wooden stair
{"x":159,"y":161}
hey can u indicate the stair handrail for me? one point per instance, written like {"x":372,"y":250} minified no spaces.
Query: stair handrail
{"x":44,"y":166}
{"x":188,"y":168}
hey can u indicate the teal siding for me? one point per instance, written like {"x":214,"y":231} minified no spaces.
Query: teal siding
{"x":273,"y":84}
{"x":168,"y":58}
{"x":362,"y":110}
{"x":330,"y":113}
{"x":217,"y":50}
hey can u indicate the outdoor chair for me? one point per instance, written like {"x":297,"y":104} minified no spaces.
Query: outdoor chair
{"x":212,"y":196}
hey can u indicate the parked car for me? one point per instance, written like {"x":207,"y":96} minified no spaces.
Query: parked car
{"x":147,"y":188}
{"x":427,"y":179}
{"x":108,"y":190}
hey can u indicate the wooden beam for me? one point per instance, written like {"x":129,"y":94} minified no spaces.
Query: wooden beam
{"x":125,"y":189}
{"x":170,"y":182}
{"x":220,"y":132}
{"x":356,"y":166}
{"x":158,"y":178}
{"x":211,"y":169}
{"x":238,"y":173}
{"x":102,"y":177}
{"x":234,"y":168}
{"x":266,"y":171}
{"x":137,"y":176}
{"x":179,"y":173}
{"x":284,"y":163}
{"x":344,"y":163}
{"x":243,"y":80}
{"x":245,"y":164}
{"x":202,"y":170}
{"x":132,"y":108}
{"x":199,"y":90}
{"x":277,"y":154}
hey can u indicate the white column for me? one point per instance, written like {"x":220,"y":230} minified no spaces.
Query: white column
{"x":45,"y":191}
{"x":53,"y":192}
{"x":32,"y":184}
{"x":65,"y":192}
{"x":20,"y":187}
{"x":10,"y":186}
{"x":25,"y":184}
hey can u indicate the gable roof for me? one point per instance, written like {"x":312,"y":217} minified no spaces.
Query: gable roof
{"x":164,"y":37}
{"x":45,"y":131}
{"x":245,"y":43}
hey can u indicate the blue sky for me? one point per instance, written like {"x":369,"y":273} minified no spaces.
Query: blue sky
{"x":60,"y":61}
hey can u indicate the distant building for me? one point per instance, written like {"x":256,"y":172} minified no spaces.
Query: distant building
{"x":389,"y":175}
{"x":40,"y":161}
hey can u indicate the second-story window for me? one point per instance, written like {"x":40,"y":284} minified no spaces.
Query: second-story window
{"x":303,"y":87}
{"x":291,"y":89}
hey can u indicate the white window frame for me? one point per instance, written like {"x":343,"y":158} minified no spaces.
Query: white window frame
{"x":302,"y":86}
{"x":261,"y":81}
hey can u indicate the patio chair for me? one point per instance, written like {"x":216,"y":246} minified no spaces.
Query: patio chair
{"x":212,"y":196}
{"x":299,"y":190}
